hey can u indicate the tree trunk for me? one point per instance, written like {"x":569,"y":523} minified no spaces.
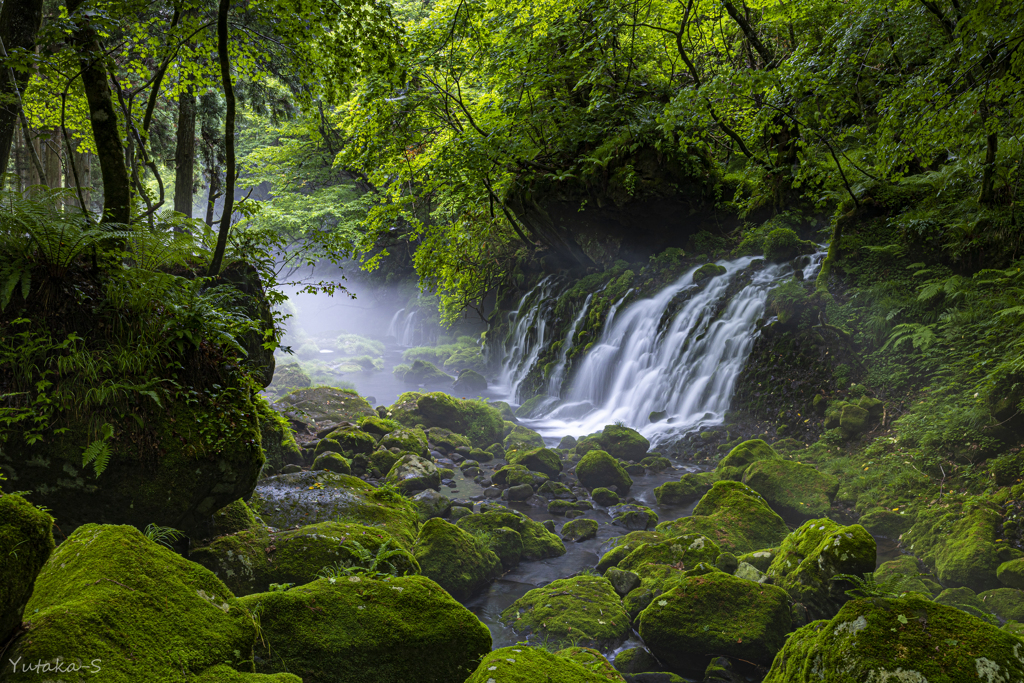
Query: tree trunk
{"x":109,"y":147}
{"x":988,"y":172}
{"x":19,"y":23}
{"x":54,"y":167}
{"x":229,"y":138}
{"x":213,"y":194}
{"x":185,"y":153}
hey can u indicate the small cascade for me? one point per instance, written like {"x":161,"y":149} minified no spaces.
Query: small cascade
{"x":555,"y":381}
{"x":528,"y":336}
{"x":404,"y":330}
{"x":393,"y":325}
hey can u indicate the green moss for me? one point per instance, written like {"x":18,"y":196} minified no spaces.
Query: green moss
{"x":1011,"y":573}
{"x":233,"y":518}
{"x":734,"y":516}
{"x":276,"y":438}
{"x":633,"y":517}
{"x":507,"y":544}
{"x":636,"y":660}
{"x":480,"y":422}
{"x":580,"y":529}
{"x":791,"y":488}
{"x":886,"y":523}
{"x":530,"y":407}
{"x":407,"y":441}
{"x":689,"y":488}
{"x":1008,"y":603}
{"x":962,"y":550}
{"x":685,"y":551}
{"x":446,"y":439}
{"x":144,"y":613}
{"x":853,"y":421}
{"x":521,"y":439}
{"x":603,"y":496}
{"x":715,"y":614}
{"x":743,"y":455}
{"x":759,"y":559}
{"x":360,"y":630}
{"x":599,"y":469}
{"x":539,"y":460}
{"x":377,"y":426}
{"x":621,"y":442}
{"x":782,"y":244}
{"x":383,"y":461}
{"x":421,"y":372}
{"x":966,"y":600}
{"x":288,"y":377}
{"x":331,"y":462}
{"x":538,"y":542}
{"x":583,"y":609}
{"x":350,"y":441}
{"x":26,"y":541}
{"x":811,"y":556}
{"x":624,"y":545}
{"x":898,"y":639}
{"x":906,"y":565}
{"x":707,"y":271}
{"x":458,"y":561}
{"x":412,"y":473}
{"x":524,"y":664}
{"x":326,"y":404}
{"x":512,"y":475}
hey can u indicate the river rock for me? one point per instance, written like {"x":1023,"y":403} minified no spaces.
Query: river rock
{"x":331,"y":462}
{"x":421,"y":373}
{"x":635,"y":660}
{"x":539,"y":460}
{"x":684,"y":552}
{"x":26,"y":541}
{"x":579,"y":530}
{"x":715,"y":614}
{"x":407,"y":441}
{"x":604,"y":496}
{"x":479,"y":422}
{"x":538,"y":542}
{"x":792,"y":489}
{"x":524,"y":664}
{"x":520,"y":492}
{"x":633,"y":517}
{"x":733,"y":465}
{"x":512,"y":475}
{"x":582,"y":607}
{"x":909,"y":638}
{"x":618,"y":441}
{"x":365,"y":630}
{"x":622,"y":581}
{"x":761,"y":559}
{"x":567,"y":443}
{"x":349,"y":441}
{"x":810,"y":558}
{"x":735,"y":516}
{"x":904,"y":568}
{"x":507,"y":544}
{"x":413,"y":473}
{"x":324,"y":404}
{"x":521,"y":440}
{"x":431,"y":504}
{"x":458,"y":561}
{"x":966,"y":600}
{"x":1007,"y":603}
{"x":469,"y":382}
{"x":232,"y":518}
{"x":599,"y":469}
{"x":556,"y":490}
{"x":621,"y":546}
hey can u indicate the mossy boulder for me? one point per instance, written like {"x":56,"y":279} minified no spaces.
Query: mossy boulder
{"x":1011,"y":573}
{"x":377,"y":427}
{"x":735,"y":463}
{"x":506,"y":543}
{"x":431,"y":504}
{"x":700,"y":617}
{"x":232,"y":518}
{"x":598,"y":469}
{"x":249,"y":561}
{"x":968,"y":601}
{"x":421,"y":373}
{"x":331,"y":462}
{"x":635,"y":660}
{"x":455,"y":559}
{"x":898,"y":639}
{"x":621,"y":546}
{"x":886,"y":523}
{"x":479,"y":422}
{"x":110,"y":597}
{"x":961,"y":549}
{"x":522,"y":439}
{"x":524,"y":664}
{"x":853,"y":421}
{"x":407,"y":441}
{"x":904,"y":569}
{"x":288,"y":377}
{"x":26,"y":541}
{"x":708,"y":271}
{"x":532,"y":407}
{"x":620,"y":442}
{"x":294,"y":500}
{"x":324,"y":405}
{"x":606,"y":497}
{"x":383,"y":460}
{"x":1007,"y":603}
{"x":810,"y":558}
{"x":783,"y":244}
{"x":580,"y":529}
{"x":792,"y":489}
{"x":539,"y":460}
{"x":633,"y":517}
{"x":413,"y":473}
{"x":512,"y":475}
{"x":689,"y":488}
{"x":538,"y":542}
{"x":276,"y":438}
{"x":734,"y":516}
{"x":446,"y":439}
{"x":350,"y":441}
{"x":582,"y":609}
{"x":361,"y":630}
{"x":760,"y":559}
{"x":684,"y":552}
{"x":469,"y":382}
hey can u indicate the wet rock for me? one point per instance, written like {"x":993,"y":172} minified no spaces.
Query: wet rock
{"x":458,"y":561}
{"x":375,"y":426}
{"x":567,"y":443}
{"x":479,"y":422}
{"x":633,"y":517}
{"x":684,"y":552}
{"x":727,"y":562}
{"x":331,"y":462}
{"x":733,"y":465}
{"x":26,"y":541}
{"x":556,"y":490}
{"x":512,"y":475}
{"x":619,"y":442}
{"x":291,"y":469}
{"x":469,"y":382}
{"x":579,"y":530}
{"x":431,"y":504}
{"x":407,"y":441}
{"x":507,"y":544}
{"x":348,"y":441}
{"x":1007,"y":603}
{"x":235,"y":517}
{"x":538,"y":542}
{"x":655,"y":463}
{"x":520,"y":492}
{"x":492,"y":492}
{"x":324,"y":404}
{"x":582,"y":607}
{"x":521,"y":439}
{"x":599,"y":469}
{"x":422,"y":373}
{"x":446,"y":439}
{"x":621,"y":546}
{"x":761,"y":559}
{"x":457,"y":513}
{"x":413,"y":473}
{"x":707,"y":271}
{"x":636,"y":660}
{"x":791,"y":488}
{"x":400,"y":629}
{"x":523,"y":664}
{"x":606,"y":497}
{"x":542,"y":460}
{"x":622,"y":581}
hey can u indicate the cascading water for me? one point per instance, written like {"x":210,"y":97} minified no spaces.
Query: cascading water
{"x":647,"y":361}
{"x":555,"y":381}
{"x":403,"y":328}
{"x":529,"y":336}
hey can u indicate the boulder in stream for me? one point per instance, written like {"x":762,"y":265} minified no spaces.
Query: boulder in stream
{"x":538,"y":542}
{"x":413,"y":473}
{"x":599,"y":469}
{"x":792,"y":489}
{"x":458,"y":561}
{"x":524,"y":664}
{"x":617,"y":440}
{"x":479,"y":422}
{"x":539,"y":460}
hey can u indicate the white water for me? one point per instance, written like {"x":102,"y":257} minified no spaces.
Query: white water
{"x":403,"y":328}
{"x":688,"y":369}
{"x":555,"y":381}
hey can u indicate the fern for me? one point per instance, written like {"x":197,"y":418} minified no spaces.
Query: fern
{"x":869,"y":587}
{"x":364,"y":562}
{"x":98,"y":452}
{"x":919,"y":336}
{"x":164,"y":535}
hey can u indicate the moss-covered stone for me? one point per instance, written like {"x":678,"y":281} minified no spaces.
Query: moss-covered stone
{"x":962,"y":550}
{"x":735,"y":463}
{"x":521,"y":440}
{"x":966,"y":600}
{"x":431,"y":504}
{"x":446,"y":439}
{"x":715,"y":614}
{"x":351,"y":441}
{"x":583,"y":609}
{"x":621,"y":546}
{"x":26,"y":541}
{"x":655,"y":463}
{"x":524,"y":664}
{"x":886,"y":523}
{"x":538,"y":542}
{"x":1011,"y":573}
{"x":853,"y":421}
{"x":1007,"y":603}
{"x":383,"y":460}
{"x":331,"y":462}
{"x":360,"y":630}
{"x":288,"y":377}
{"x":580,"y":529}
{"x":539,"y":460}
{"x":320,"y":405}
{"x":413,"y":473}
{"x":506,"y":543}
{"x":292,"y":500}
{"x":421,"y":373}
{"x":792,"y":489}
{"x":618,"y":441}
{"x":512,"y":475}
{"x":232,"y":518}
{"x":469,"y":382}
{"x":898,"y":639}
{"x":407,"y":441}
{"x":635,"y":660}
{"x":598,"y":469}
{"x":707,"y":271}
{"x":682,"y":552}
{"x":480,"y":422}
{"x":689,"y":488}
{"x":734,"y":516}
{"x":904,"y":569}
{"x":783,"y":244}
{"x":592,"y":660}
{"x":110,"y":597}
{"x":276,"y":438}
{"x":455,"y":559}
{"x":606,"y":497}
{"x":633,"y":517}
{"x":761,"y":559}
{"x":810,"y":558}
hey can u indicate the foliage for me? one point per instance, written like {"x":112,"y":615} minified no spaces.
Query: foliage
{"x":364,"y":563}
{"x":164,"y":535}
{"x":870,"y":587}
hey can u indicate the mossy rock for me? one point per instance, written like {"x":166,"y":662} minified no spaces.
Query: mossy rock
{"x":593,"y":660}
{"x":377,"y":427}
{"x":636,"y":660}
{"x":479,"y":422}
{"x":966,"y":600}
{"x":324,"y":405}
{"x":1007,"y":603}
{"x":792,"y":489}
{"x":739,"y":458}
{"x":538,"y":542}
{"x":524,"y":664}
{"x":413,"y":473}
{"x":760,"y":559}
{"x":962,"y":550}
{"x":683,"y":551}
{"x":533,"y":406}
{"x":708,"y":271}
{"x":734,"y":516}
{"x":539,"y":460}
{"x":906,"y":566}
{"x":580,"y":529}
{"x":421,"y":373}
{"x":407,"y":440}
{"x":621,"y":546}
{"x":506,"y":411}
{"x":469,"y":382}
{"x":466,"y":359}
{"x":361,"y":630}
{"x":446,"y":439}
{"x":655,"y":463}
{"x":512,"y":475}
{"x":715,"y":614}
{"x":886,"y":523}
{"x":232,"y":518}
{"x":26,"y":541}
{"x":331,"y":462}
{"x":898,"y":639}
{"x":302,"y":498}
{"x":276,"y":438}
{"x":506,"y":544}
{"x":606,"y":497}
{"x":633,"y":517}
{"x":598,"y":469}
{"x":853,"y":421}
{"x":689,"y":488}
{"x":1011,"y":573}
{"x":383,"y":460}
{"x":353,"y":440}
{"x":108,"y":590}
{"x":289,"y":377}
{"x":249,"y":561}
{"x":582,"y":609}
{"x":783,"y":244}
{"x":620,"y":442}
{"x":521,"y":440}
{"x":810,"y":558}
{"x":455,"y":559}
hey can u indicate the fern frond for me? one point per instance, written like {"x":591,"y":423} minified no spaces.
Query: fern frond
{"x":97,"y":453}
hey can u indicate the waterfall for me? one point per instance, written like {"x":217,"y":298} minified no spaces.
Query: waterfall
{"x":649,"y":359}
{"x":528,"y":336}
{"x":393,"y":326}
{"x":555,"y":381}
{"x":403,"y":328}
